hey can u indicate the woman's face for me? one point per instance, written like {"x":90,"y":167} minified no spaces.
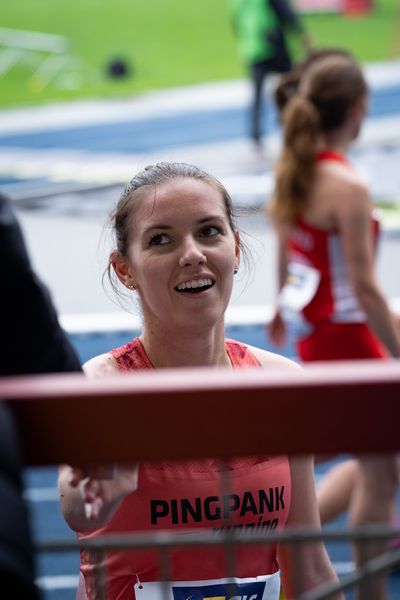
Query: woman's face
{"x":182,"y":254}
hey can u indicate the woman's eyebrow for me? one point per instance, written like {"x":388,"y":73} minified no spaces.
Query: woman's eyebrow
{"x":160,"y":226}
{"x":210,"y":218}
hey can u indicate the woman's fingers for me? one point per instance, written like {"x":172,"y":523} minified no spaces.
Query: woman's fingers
{"x":93,"y":508}
{"x":101,"y":485}
{"x":77,"y":474}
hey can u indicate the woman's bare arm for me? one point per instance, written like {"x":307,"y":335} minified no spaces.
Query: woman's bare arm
{"x":91,"y":495}
{"x":304,"y":566}
{"x":276,"y":328}
{"x":354,"y":221}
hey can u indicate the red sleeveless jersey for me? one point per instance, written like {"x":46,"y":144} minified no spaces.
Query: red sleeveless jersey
{"x":320,"y":296}
{"x":251,"y":494}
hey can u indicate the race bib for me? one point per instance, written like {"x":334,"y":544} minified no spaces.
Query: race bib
{"x":264,"y":587}
{"x":300,"y":287}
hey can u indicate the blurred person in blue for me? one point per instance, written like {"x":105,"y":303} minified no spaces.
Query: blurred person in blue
{"x":261,"y":28}
{"x":32,"y":342}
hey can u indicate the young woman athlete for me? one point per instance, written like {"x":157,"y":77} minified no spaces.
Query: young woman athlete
{"x":327,"y":232}
{"x":177,"y":248}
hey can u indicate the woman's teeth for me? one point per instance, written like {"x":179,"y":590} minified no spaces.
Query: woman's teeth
{"x":195,"y":283}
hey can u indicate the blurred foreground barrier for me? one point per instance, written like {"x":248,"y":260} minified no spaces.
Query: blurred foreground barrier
{"x":163,"y":542}
{"x":195,"y":413}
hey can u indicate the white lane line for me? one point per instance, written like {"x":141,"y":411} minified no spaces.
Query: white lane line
{"x":58,"y":582}
{"x":45,"y":494}
{"x":159,"y":103}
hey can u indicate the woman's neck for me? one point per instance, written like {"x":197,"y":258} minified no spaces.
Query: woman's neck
{"x":325,"y":146}
{"x":336,"y":141}
{"x":185,"y":349}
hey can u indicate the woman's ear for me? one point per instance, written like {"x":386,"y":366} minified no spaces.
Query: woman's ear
{"x":358,"y":110}
{"x":237,"y":249}
{"x":356,"y":116}
{"x":122,"y":270}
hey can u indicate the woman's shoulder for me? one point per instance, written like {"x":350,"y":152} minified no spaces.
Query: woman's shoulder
{"x":273,"y":360}
{"x":341,"y":178}
{"x":101,"y":366}
{"x":339,"y":192}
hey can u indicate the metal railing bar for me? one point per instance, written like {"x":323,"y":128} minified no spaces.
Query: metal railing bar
{"x":165,"y":571}
{"x":207,"y":538}
{"x":229,"y":555}
{"x":100,"y":578}
{"x":373,"y":567}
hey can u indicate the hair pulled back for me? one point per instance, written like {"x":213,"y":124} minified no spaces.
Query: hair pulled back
{"x":288,"y":84}
{"x":149,"y":178}
{"x":327,"y":89}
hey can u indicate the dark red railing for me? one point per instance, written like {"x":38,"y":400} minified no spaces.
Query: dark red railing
{"x":196,"y":413}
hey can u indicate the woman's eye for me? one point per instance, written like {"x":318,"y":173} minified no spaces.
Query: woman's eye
{"x":159,"y":240}
{"x":210,"y":231}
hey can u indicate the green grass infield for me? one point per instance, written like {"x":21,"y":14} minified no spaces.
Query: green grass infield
{"x":163,"y":43}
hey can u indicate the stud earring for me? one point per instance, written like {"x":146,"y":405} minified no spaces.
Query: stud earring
{"x":130,"y":286}
{"x":235,"y":270}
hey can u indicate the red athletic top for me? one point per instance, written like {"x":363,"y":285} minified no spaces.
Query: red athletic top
{"x":254,"y":495}
{"x":319,"y":291}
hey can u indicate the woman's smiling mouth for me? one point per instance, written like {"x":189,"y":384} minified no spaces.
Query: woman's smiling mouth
{"x":195,"y":285}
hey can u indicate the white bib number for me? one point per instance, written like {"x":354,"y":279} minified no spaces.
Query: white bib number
{"x":264,"y":587}
{"x":300,"y":287}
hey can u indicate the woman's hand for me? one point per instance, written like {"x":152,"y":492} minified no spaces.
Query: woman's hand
{"x":90,"y":495}
{"x":276,"y":329}
{"x":396,"y":319}
{"x":102,"y":486}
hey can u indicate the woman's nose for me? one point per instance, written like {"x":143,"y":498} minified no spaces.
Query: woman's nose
{"x":192,"y":254}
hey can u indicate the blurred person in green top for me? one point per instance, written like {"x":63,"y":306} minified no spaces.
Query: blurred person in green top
{"x":261,"y":27}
